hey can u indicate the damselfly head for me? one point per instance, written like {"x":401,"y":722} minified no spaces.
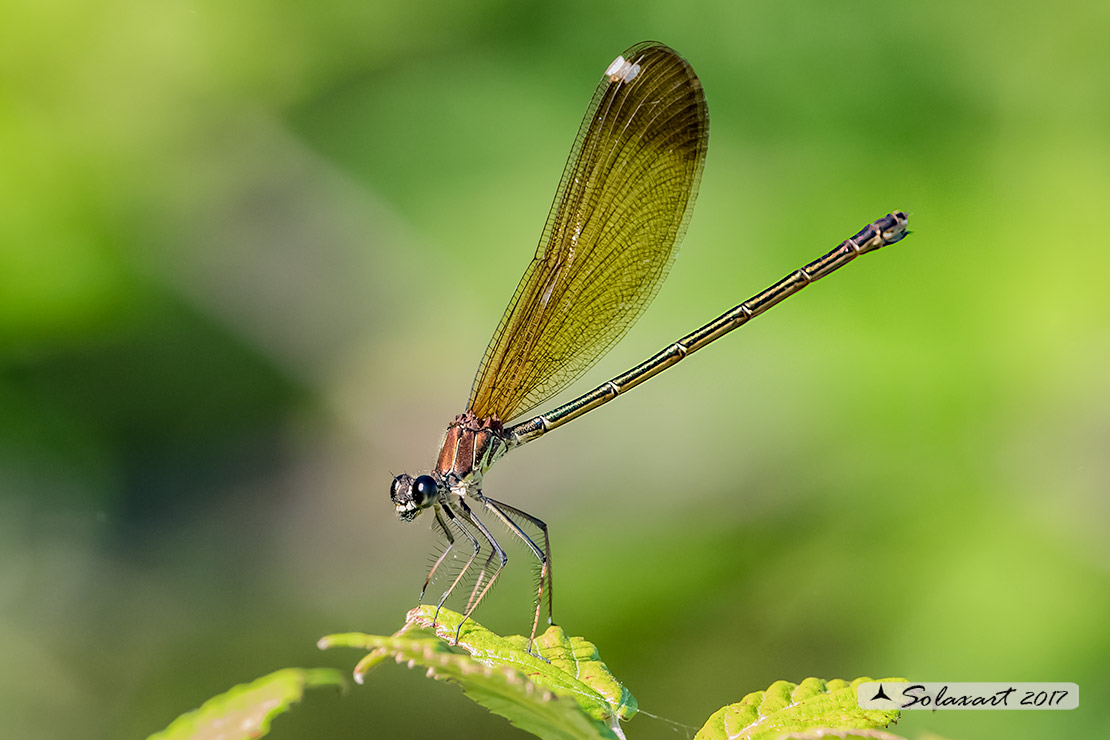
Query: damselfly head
{"x":413,"y":495}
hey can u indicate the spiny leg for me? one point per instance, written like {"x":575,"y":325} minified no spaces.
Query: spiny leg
{"x":542,"y":526}
{"x":504,"y":511}
{"x":450,"y":543}
{"x":477,"y":548}
{"x":466,"y":514}
{"x":480,"y":580}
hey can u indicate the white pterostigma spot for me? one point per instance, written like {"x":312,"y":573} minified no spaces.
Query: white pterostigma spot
{"x":622,"y":70}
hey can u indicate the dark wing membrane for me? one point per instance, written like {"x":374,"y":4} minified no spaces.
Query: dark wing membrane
{"x":613,"y":231}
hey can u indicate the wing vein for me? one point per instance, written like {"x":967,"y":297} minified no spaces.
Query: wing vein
{"x":618,"y":216}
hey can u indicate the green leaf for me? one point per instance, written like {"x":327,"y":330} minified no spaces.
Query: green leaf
{"x":811,"y":709}
{"x":244,"y":712}
{"x":562,"y":691}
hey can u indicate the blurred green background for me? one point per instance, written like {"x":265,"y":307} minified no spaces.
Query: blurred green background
{"x":251,"y":254}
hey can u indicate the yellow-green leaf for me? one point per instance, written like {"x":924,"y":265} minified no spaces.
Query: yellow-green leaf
{"x":245,"y":711}
{"x":561,"y":691}
{"x":811,"y":709}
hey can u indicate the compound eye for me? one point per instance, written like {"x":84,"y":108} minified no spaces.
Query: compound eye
{"x":424,"y":490}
